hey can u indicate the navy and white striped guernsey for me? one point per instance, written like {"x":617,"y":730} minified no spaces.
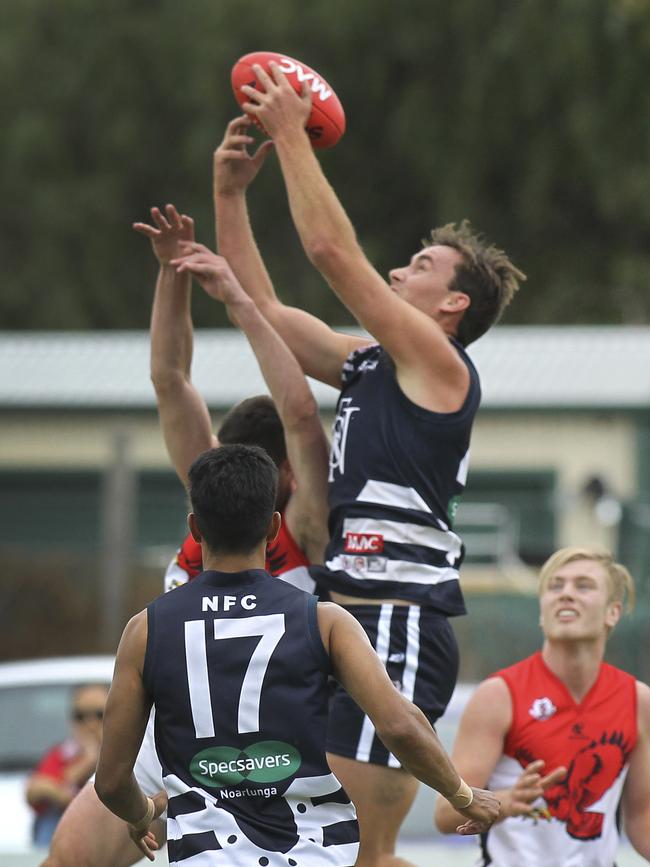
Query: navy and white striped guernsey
{"x":238,"y":674}
{"x":396,"y":474}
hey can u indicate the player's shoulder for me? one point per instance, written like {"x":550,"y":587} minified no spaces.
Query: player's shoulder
{"x":643,"y":703}
{"x":493,"y":688}
{"x":333,"y":617}
{"x":490,"y":706}
{"x":330,"y":612}
{"x":363,"y":357}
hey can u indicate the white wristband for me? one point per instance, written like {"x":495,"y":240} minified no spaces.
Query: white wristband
{"x":147,"y":819}
{"x":463,"y":797}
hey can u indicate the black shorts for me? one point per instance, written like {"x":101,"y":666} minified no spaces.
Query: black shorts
{"x":418,"y":647}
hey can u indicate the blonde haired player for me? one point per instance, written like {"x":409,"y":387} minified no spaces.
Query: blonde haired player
{"x":562,"y":737}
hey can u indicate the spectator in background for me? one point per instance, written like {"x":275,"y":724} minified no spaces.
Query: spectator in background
{"x":67,"y":766}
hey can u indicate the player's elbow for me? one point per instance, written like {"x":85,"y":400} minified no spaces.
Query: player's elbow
{"x":299,"y":412}
{"x":166,"y":380}
{"x":324,"y":253}
{"x":108,"y":784}
{"x":398,"y":731}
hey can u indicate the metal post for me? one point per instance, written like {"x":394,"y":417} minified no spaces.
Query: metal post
{"x":117,"y":536}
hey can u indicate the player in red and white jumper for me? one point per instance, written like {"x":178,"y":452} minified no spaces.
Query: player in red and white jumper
{"x":284,"y":559}
{"x":562,"y":737}
{"x":287,"y":427}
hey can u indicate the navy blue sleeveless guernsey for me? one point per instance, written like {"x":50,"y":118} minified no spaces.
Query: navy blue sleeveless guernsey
{"x":237,"y":671}
{"x":396,"y":474}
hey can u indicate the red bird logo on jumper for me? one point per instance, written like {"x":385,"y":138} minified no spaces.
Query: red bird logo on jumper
{"x":591,"y":773}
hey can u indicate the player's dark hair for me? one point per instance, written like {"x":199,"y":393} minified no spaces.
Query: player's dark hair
{"x":232,"y":491}
{"x":486,"y":275}
{"x":255,"y":422}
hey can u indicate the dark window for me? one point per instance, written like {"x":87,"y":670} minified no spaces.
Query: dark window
{"x":508,"y":515}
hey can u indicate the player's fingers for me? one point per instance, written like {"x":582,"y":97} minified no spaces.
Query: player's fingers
{"x":252,"y":107}
{"x":522,"y":807}
{"x":253,"y":94}
{"x":535,"y":766}
{"x":146,"y":851}
{"x":529,"y":779}
{"x":279,"y":78}
{"x":234,"y":155}
{"x":199,"y":269}
{"x":305,"y":93}
{"x":471,"y":827}
{"x":262,"y":152}
{"x":236,"y":123}
{"x":146,"y":229}
{"x":159,"y":219}
{"x":173,"y":216}
{"x":530,"y":793}
{"x":263,"y":77}
{"x":554,"y":777}
{"x":240,"y":140}
{"x":194,"y":247}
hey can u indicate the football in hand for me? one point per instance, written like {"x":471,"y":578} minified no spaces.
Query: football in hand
{"x":326,"y":123}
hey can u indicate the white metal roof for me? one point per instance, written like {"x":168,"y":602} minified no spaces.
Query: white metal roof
{"x":555,"y":367}
{"x":62,"y":669}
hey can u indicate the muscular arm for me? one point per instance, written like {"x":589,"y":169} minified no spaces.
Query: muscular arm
{"x":428,"y":368}
{"x":125,"y":721}
{"x":636,"y":792}
{"x":320,"y":350}
{"x":400,"y":725}
{"x":479,"y":746}
{"x":184,"y":416}
{"x":307,"y":449}
{"x":479,"y":742}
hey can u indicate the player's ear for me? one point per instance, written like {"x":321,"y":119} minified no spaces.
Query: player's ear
{"x":456,"y":302}
{"x":613,"y":614}
{"x":194,"y":528}
{"x":274,"y":528}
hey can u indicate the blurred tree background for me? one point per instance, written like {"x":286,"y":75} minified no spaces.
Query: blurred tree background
{"x":532,"y":119}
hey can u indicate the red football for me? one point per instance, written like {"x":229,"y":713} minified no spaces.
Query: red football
{"x":326,"y":122}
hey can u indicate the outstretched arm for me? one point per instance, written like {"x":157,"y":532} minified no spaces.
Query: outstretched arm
{"x":636,"y":792}
{"x":306,"y":514}
{"x":184,"y":416}
{"x":478,"y":748}
{"x":400,"y":725}
{"x":319,"y":350}
{"x":125,"y":721}
{"x":428,"y":367}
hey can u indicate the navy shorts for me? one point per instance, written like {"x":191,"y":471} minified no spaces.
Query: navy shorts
{"x":418,"y":647}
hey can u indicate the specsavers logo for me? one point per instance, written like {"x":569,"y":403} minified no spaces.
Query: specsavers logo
{"x":265,"y":762}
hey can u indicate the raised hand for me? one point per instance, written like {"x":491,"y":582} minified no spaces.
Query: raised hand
{"x":529,"y":786}
{"x":234,"y":167}
{"x":277,"y":106}
{"x":170,"y":232}
{"x":212,"y":271}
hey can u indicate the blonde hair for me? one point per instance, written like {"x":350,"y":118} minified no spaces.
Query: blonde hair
{"x":619,"y":580}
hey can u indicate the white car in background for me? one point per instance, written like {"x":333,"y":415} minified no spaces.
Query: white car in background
{"x":35,"y":701}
